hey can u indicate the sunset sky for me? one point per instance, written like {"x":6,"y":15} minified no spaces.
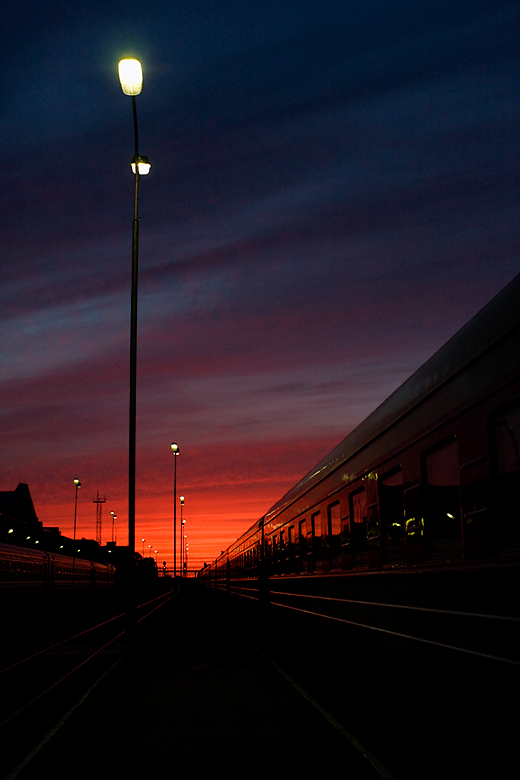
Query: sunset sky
{"x":334,"y":193}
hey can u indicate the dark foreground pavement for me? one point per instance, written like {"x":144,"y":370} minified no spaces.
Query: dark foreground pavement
{"x":201,"y":702}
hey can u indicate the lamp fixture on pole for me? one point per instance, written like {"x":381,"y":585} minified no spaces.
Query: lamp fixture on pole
{"x":114,"y":516}
{"x":131,"y":78}
{"x":175,"y":449}
{"x":78,"y":485}
{"x":181,"y":499}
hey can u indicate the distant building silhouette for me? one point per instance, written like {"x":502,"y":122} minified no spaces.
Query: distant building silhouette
{"x":19,"y":526}
{"x":18,"y":504}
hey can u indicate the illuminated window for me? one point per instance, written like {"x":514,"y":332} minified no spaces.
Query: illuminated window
{"x":332,"y":538}
{"x":442,"y":505}
{"x":358,"y":528}
{"x":391,"y":511}
{"x":334,"y":519}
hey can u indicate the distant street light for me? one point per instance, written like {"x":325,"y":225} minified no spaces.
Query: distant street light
{"x":131,"y":78}
{"x":143,"y":541}
{"x":181,"y":499}
{"x":114,"y":516}
{"x":175,"y":449}
{"x":78,"y":485}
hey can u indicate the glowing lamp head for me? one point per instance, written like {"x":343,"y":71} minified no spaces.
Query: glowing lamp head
{"x":143,"y":166}
{"x":131,"y":76}
{"x":181,"y":499}
{"x":175,"y":448}
{"x":77,"y":483}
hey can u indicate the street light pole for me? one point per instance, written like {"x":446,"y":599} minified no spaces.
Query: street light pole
{"x":131,"y":78}
{"x":175,"y":449}
{"x":113,"y":523}
{"x":181,"y":499}
{"x":78,"y":485}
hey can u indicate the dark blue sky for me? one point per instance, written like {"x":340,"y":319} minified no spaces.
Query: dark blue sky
{"x":334,"y":192}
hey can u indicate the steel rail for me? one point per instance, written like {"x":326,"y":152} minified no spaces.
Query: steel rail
{"x":85,"y":660}
{"x":398,"y":606}
{"x":402,"y":636}
{"x":75,"y":636}
{"x":57,"y":682}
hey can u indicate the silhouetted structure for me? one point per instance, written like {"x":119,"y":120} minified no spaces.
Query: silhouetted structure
{"x":18,"y":504}
{"x":19,"y":526}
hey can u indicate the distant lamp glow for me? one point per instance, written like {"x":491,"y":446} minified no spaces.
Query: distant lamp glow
{"x":114,"y":518}
{"x":143,"y":166}
{"x":131,"y":76}
{"x":181,"y":499}
{"x":175,"y":449}
{"x":11,"y":531}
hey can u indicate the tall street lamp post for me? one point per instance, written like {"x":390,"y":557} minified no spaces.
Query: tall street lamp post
{"x":175,"y":449}
{"x":78,"y":485}
{"x":131,"y":78}
{"x":181,"y":499}
{"x":114,"y":516}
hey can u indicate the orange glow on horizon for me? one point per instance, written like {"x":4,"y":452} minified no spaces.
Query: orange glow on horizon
{"x":210,"y":527}
{"x":222,"y":500}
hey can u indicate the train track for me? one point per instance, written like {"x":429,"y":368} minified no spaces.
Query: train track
{"x":489,"y":637}
{"x":41,"y":685}
{"x":423,"y":688}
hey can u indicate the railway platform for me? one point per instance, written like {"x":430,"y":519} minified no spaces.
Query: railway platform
{"x":196,"y":700}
